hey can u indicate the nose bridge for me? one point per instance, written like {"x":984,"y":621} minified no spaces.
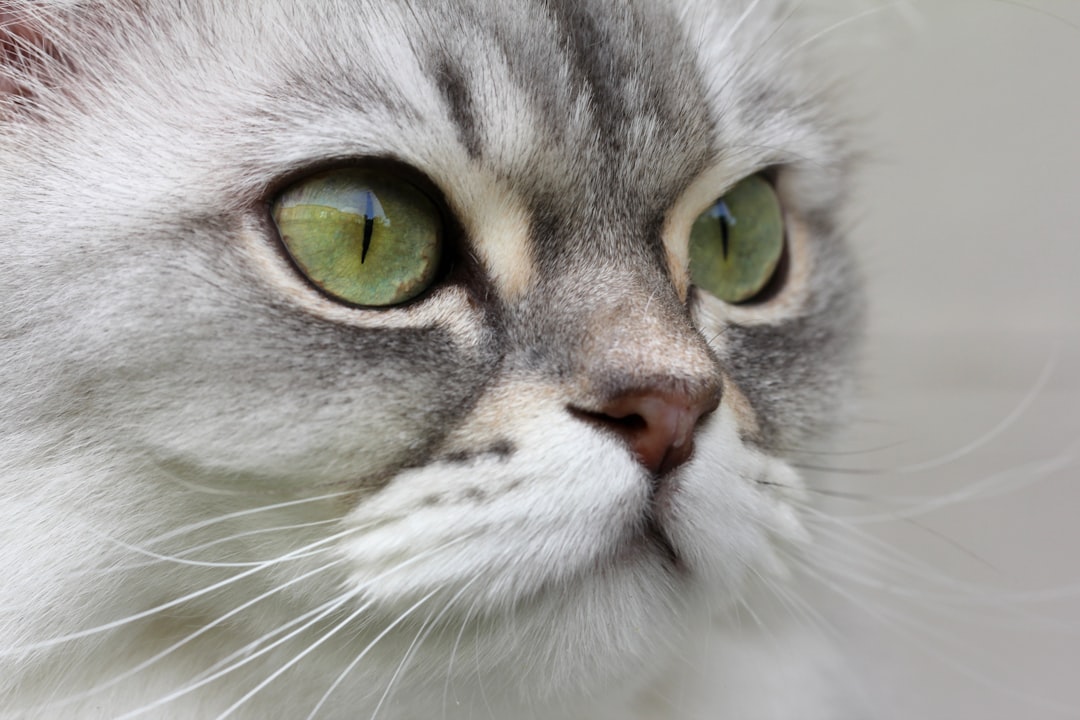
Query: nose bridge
{"x":625,"y":330}
{"x":647,"y":337}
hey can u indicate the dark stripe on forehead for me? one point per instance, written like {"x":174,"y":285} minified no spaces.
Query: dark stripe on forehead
{"x":633,"y":61}
{"x":455,"y":92}
{"x":596,"y":63}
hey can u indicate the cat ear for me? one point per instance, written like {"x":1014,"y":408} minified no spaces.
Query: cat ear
{"x":30,"y":56}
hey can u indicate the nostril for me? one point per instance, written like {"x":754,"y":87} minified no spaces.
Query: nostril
{"x":627,"y":423}
{"x":657,"y":424}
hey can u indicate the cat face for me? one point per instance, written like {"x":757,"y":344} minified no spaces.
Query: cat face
{"x":556,"y":448}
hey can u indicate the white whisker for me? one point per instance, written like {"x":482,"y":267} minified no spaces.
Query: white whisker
{"x":995,"y":432}
{"x":311,"y":648}
{"x":178,"y":555}
{"x":275,"y":529}
{"x":245,"y":513}
{"x":323,"y":611}
{"x":839,"y":25}
{"x":1040,"y":11}
{"x":740,"y":22}
{"x":740,"y":69}
{"x":112,"y":682}
{"x":870,"y":566}
{"x":453,"y":654}
{"x":480,"y":678}
{"x":896,"y":620}
{"x":1010,"y":420}
{"x":159,"y":557}
{"x":319,"y":613}
{"x":421,"y":635}
{"x":105,"y":627}
{"x":995,"y":485}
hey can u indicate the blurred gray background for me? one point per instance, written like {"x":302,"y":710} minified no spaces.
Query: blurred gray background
{"x":967,"y":217}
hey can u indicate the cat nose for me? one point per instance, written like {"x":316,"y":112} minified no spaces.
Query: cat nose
{"x":658,"y":424}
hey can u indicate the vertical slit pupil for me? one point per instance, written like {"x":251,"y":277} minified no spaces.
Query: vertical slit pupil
{"x":725,"y":232}
{"x":369,"y":224}
{"x":723,"y":216}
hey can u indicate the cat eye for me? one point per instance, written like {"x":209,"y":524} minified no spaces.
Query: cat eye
{"x":736,"y":245}
{"x":364,"y":237}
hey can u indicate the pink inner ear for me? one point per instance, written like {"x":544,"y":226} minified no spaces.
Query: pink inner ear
{"x":22,"y":46}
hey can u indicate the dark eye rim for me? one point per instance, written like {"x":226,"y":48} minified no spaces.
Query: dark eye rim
{"x":451,"y":229}
{"x":778,"y":279}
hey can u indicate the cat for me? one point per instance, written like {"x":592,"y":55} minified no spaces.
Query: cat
{"x":429,"y":359}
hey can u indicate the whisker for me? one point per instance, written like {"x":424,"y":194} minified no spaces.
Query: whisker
{"x":105,"y":627}
{"x":252,"y":533}
{"x":311,"y":648}
{"x":812,"y":617}
{"x":420,"y":637}
{"x":801,"y":611}
{"x":195,"y":487}
{"x":258,"y":646}
{"x":453,"y":654}
{"x":1018,"y":411}
{"x":480,"y":678}
{"x":246,"y":513}
{"x":1040,"y":11}
{"x":738,"y":24}
{"x":159,"y":557}
{"x":320,"y":613}
{"x":839,"y":25}
{"x":738,"y":71}
{"x":124,"y":567}
{"x":323,"y":611}
{"x":112,"y":682}
{"x":966,"y":593}
{"x":942,"y":537}
{"x":844,"y":453}
{"x":1000,"y":483}
{"x":836,"y":494}
{"x":895,"y":620}
{"x":1006,"y":423}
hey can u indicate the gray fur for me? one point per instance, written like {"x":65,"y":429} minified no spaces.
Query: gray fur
{"x":164,"y":365}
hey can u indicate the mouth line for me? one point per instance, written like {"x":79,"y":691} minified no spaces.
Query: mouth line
{"x":654,"y":537}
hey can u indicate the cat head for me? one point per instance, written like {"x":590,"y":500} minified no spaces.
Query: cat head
{"x":555,"y":432}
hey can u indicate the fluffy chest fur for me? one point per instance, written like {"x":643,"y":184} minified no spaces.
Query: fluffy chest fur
{"x":228,"y":493}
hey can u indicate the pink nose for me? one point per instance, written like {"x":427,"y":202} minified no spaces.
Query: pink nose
{"x":658,"y":424}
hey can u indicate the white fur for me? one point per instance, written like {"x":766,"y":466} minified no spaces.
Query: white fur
{"x":149,"y":503}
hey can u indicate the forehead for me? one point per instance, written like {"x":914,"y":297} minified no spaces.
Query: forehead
{"x":606,"y":98}
{"x":535,"y":92}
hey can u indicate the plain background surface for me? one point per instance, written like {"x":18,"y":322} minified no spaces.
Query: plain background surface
{"x":967,"y":217}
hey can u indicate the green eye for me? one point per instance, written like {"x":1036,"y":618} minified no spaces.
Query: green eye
{"x":735,"y":245}
{"x":361,"y":236}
